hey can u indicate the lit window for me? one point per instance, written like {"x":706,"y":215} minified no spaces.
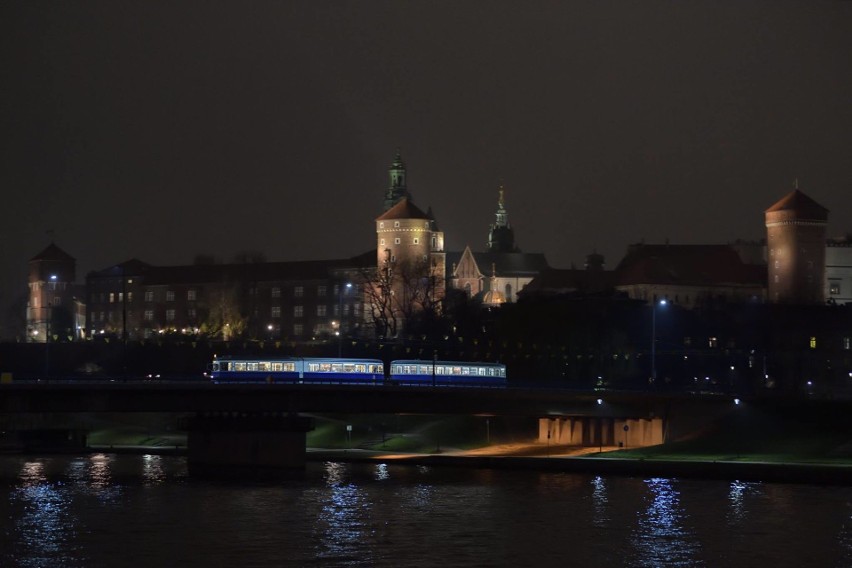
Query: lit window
{"x":812,"y":343}
{"x":712,"y":342}
{"x":298,"y":311}
{"x":149,"y":295}
{"x":847,"y":343}
{"x":834,"y":288}
{"x":170,"y":296}
{"x":191,"y":295}
{"x":130,"y":296}
{"x":111,"y":297}
{"x":299,"y":291}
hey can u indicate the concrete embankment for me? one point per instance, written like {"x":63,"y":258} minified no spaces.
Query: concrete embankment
{"x":742,"y":471}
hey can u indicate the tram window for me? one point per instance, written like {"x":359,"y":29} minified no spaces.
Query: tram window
{"x":424,"y":370}
{"x":481,"y":371}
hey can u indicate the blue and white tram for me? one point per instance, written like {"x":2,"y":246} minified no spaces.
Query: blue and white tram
{"x":447,"y":373}
{"x":297,"y":370}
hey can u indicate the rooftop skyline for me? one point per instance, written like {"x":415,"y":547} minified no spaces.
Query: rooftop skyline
{"x":161,"y":131}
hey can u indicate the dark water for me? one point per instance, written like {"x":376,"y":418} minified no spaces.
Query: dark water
{"x":105,"y":510}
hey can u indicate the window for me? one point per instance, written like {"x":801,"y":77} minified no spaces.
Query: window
{"x":321,"y":310}
{"x":276,"y":311}
{"x":111,"y":297}
{"x":381,"y":224}
{"x":170,"y":296}
{"x":834,"y":288}
{"x":170,"y":315}
{"x":382,"y":242}
{"x":121,"y":296}
{"x":298,"y":311}
{"x":191,"y":295}
{"x":130,"y":296}
{"x":508,"y":292}
{"x":191,"y":313}
{"x":847,"y":343}
{"x":396,"y":241}
{"x":812,"y":342}
{"x":416,"y":241}
{"x":149,"y":295}
{"x":336,"y":310}
{"x":299,"y":291}
{"x":149,"y":315}
{"x":396,"y":223}
{"x":321,"y":290}
{"x":298,"y":329}
{"x":712,"y":342}
{"x":276,"y":292}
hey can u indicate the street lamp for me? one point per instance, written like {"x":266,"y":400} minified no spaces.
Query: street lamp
{"x":662,"y":302}
{"x":343,"y":290}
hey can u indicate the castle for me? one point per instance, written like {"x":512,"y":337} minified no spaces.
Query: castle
{"x":410,"y":271}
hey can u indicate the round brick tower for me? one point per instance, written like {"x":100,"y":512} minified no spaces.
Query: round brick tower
{"x":795,"y":239}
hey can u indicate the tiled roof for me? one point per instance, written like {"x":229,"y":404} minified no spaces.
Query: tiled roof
{"x":800,"y":203}
{"x":506,"y":263}
{"x":53,"y":252}
{"x":685,"y":265}
{"x":556,"y":281}
{"x":405,"y":209}
{"x":260,"y":272}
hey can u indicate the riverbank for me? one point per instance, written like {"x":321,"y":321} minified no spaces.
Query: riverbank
{"x":599,"y":464}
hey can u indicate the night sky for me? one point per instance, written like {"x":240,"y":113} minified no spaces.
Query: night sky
{"x":161,"y":130}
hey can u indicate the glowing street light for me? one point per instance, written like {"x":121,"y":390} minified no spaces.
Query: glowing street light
{"x":343,"y":290}
{"x":663,"y":303}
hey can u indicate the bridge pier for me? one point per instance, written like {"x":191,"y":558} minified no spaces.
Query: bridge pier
{"x":246,"y":444}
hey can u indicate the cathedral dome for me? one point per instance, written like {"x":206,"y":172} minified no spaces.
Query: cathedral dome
{"x":493,"y":298}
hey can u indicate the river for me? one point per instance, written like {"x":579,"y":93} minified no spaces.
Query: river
{"x":124,"y":510}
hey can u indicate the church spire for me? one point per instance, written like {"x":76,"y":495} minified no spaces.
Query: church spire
{"x":397,"y":188}
{"x":501,"y":237}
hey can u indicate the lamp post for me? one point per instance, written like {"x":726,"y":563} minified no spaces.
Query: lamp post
{"x":344,"y":289}
{"x":662,"y":302}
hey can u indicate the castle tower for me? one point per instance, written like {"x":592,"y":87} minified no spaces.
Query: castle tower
{"x":795,"y":239}
{"x":51,"y":308}
{"x":410,"y":258}
{"x":397,"y":190}
{"x":501,"y":236}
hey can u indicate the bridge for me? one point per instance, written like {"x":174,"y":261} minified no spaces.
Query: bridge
{"x":264,"y":425}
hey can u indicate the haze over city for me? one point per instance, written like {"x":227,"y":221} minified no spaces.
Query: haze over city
{"x":161,"y":131}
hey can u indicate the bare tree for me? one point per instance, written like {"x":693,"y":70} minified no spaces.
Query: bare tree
{"x":399,"y":293}
{"x":224,"y":318}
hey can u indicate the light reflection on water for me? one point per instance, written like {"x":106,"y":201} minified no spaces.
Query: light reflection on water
{"x":599,"y":502}
{"x":108,"y":510}
{"x":343,"y":522}
{"x":43,"y":527}
{"x":661,"y":537}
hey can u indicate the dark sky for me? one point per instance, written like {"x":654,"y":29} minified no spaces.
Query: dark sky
{"x":160,"y":130}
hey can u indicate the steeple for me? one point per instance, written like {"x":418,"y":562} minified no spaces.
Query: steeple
{"x":501,"y":237}
{"x":397,"y":188}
